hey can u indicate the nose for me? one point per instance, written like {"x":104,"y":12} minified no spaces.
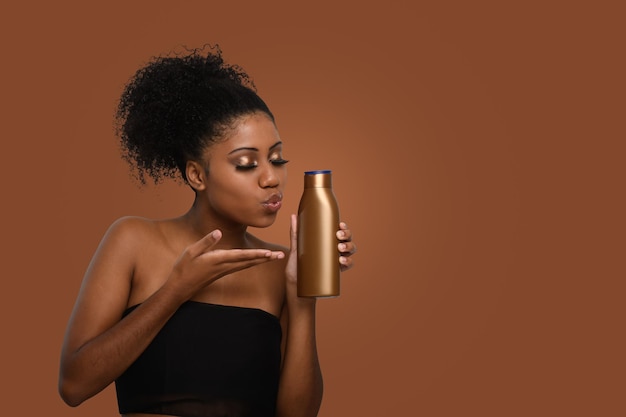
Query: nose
{"x":268,"y":178}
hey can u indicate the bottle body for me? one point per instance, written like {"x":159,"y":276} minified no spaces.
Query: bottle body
{"x":318,"y":222}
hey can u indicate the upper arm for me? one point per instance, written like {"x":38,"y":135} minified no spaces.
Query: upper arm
{"x":284,"y":311}
{"x":106,"y":286}
{"x":284,"y":324}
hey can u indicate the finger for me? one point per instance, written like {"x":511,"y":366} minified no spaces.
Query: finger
{"x":345,"y":263}
{"x":293,"y":231}
{"x":226,"y":256}
{"x":344,"y":235}
{"x":346,"y":248}
{"x":291,"y":267}
{"x":205,"y":243}
{"x":235,"y":265}
{"x":236,"y":260}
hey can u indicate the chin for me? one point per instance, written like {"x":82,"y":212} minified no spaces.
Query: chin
{"x":266,"y":222}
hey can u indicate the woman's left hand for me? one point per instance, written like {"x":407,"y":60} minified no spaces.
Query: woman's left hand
{"x":345,"y":249}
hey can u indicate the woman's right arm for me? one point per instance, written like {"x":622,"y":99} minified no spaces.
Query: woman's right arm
{"x":99,"y":346}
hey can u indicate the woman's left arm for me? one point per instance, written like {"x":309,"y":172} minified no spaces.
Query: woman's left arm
{"x":301,"y":386}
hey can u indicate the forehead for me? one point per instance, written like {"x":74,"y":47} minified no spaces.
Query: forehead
{"x":251,"y":131}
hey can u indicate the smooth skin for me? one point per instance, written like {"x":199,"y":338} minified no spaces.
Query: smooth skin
{"x":205,"y":255}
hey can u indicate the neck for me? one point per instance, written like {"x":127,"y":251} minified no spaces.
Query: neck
{"x":201,"y":220}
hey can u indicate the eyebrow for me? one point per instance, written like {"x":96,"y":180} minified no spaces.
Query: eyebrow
{"x":254,"y":149}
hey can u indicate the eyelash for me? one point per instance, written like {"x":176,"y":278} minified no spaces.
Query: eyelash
{"x":275,"y":162}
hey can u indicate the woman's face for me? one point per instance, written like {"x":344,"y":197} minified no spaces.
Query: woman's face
{"x":246,"y":173}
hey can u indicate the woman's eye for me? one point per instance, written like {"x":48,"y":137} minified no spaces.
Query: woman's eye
{"x":278,"y":162}
{"x":247,"y":167}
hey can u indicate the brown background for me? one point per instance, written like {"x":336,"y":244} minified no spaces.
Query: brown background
{"x":477,"y":154}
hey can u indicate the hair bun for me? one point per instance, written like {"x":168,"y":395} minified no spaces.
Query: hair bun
{"x":176,"y":105}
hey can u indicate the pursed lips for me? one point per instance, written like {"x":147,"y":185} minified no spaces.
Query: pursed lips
{"x":274,"y":198}
{"x":273,"y":202}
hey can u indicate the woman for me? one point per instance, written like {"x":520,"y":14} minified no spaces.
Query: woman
{"x":193,"y":316}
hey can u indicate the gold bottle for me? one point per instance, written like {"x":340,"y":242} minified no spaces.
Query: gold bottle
{"x":318,"y":223}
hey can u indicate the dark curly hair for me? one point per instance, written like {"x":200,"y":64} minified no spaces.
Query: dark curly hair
{"x":175,"y":106}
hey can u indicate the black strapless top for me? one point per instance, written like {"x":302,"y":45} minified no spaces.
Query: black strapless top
{"x":209,"y":360}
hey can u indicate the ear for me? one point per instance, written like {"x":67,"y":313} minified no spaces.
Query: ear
{"x":196,"y":175}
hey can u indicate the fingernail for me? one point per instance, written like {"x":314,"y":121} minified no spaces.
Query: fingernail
{"x":342,"y":259}
{"x":342,"y":246}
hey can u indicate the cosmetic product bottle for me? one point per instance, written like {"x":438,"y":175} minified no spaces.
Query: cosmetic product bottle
{"x":318,"y":223}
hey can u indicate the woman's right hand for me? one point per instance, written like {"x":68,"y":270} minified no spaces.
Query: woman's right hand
{"x":200,"y":264}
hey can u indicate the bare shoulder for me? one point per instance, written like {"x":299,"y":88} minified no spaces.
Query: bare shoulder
{"x":119,"y":255}
{"x":130,"y":230}
{"x":124,"y":240}
{"x":132,"y":225}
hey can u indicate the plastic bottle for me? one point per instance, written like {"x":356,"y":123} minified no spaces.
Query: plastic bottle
{"x":318,"y":222}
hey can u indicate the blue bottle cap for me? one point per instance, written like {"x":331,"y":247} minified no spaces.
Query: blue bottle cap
{"x":322,"y":171}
